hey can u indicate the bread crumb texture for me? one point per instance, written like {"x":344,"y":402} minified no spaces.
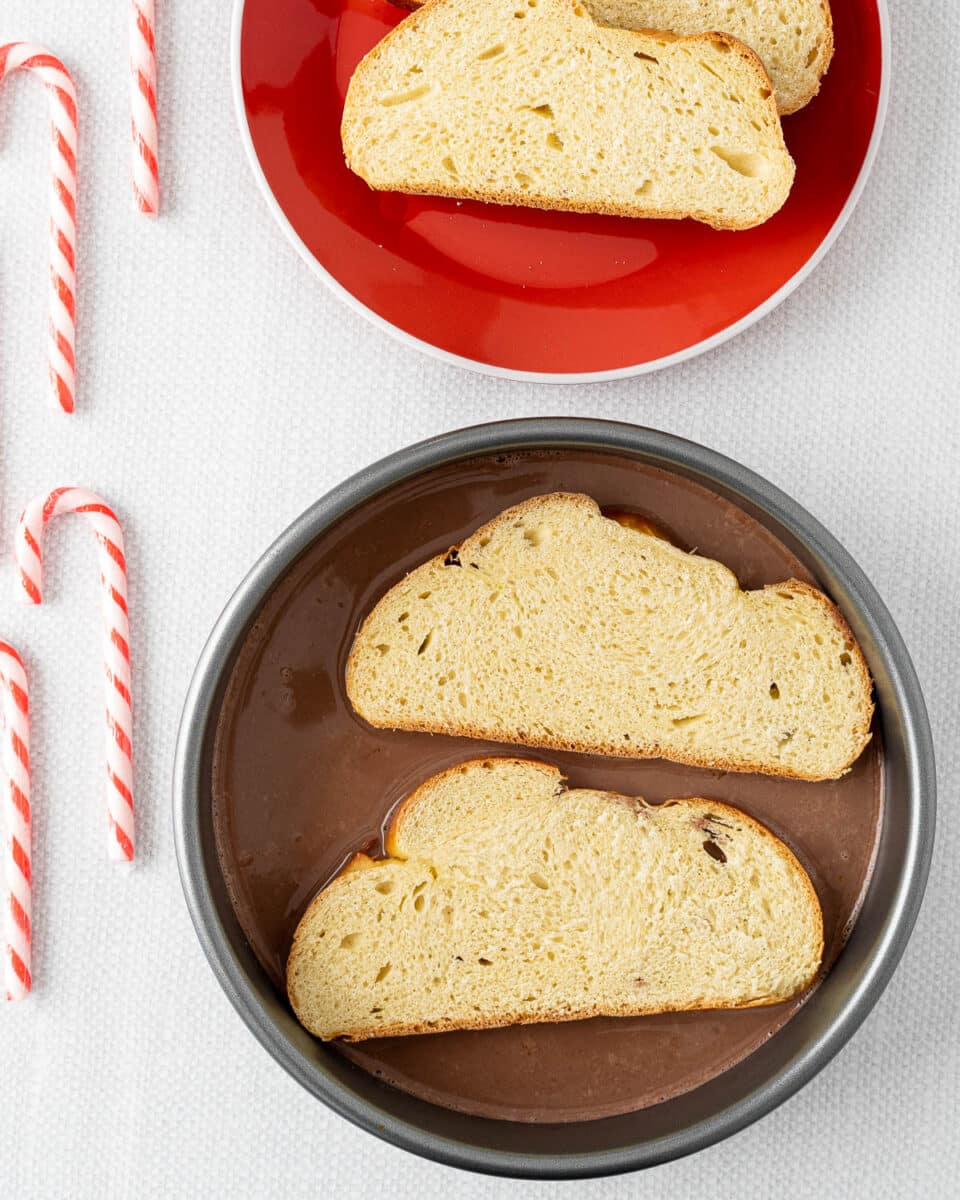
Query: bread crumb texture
{"x":792,"y":38}
{"x":531,"y":102}
{"x":555,"y":626}
{"x":509,"y":900}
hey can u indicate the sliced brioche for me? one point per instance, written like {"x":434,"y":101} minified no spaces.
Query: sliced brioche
{"x":792,"y":38}
{"x":555,"y":626}
{"x":530,"y":102}
{"x":508,"y":900}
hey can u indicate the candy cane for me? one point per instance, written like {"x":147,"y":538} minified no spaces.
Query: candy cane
{"x":143,"y":107}
{"x":16,"y":822}
{"x":62,"y":100}
{"x":116,"y":637}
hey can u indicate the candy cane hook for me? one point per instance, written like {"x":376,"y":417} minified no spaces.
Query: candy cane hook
{"x":116,"y":637}
{"x":62,"y":100}
{"x":143,"y":106}
{"x":16,"y":823}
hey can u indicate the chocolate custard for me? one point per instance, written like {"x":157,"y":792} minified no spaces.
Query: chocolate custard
{"x":300,"y":783}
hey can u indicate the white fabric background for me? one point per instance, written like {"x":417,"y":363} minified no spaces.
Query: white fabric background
{"x":221,"y":390}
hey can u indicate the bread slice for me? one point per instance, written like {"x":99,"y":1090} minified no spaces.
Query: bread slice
{"x":508,"y":900}
{"x":530,"y":102}
{"x":792,"y":38}
{"x":555,"y":626}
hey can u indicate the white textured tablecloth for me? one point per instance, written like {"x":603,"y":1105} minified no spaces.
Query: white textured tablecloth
{"x":221,"y":390}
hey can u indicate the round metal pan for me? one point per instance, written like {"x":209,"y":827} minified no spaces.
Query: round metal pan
{"x":732,"y":1100}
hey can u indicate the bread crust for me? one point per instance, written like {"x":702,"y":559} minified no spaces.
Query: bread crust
{"x":530,"y":199}
{"x":632,"y":750}
{"x":826,"y":52}
{"x":394,"y":830}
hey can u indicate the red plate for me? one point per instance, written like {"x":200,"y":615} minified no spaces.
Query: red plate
{"x":519,"y":292}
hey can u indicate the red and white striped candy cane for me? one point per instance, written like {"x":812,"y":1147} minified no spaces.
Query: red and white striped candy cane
{"x":62,"y":100}
{"x":16,"y":823}
{"x":143,"y":107}
{"x":116,"y":637}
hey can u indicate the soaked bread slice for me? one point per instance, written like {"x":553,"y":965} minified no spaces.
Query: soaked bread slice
{"x":555,"y":626}
{"x":508,"y":900}
{"x":530,"y":102}
{"x":792,"y":38}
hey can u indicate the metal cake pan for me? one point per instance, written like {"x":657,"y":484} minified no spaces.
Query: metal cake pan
{"x":740,"y":1095}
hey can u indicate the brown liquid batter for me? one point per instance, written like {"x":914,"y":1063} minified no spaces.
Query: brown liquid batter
{"x":300,"y":783}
